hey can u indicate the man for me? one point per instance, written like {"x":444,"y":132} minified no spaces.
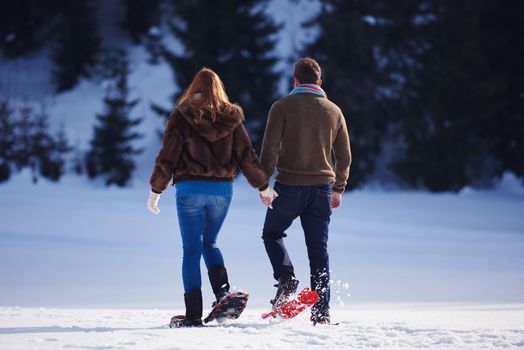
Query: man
{"x":304,"y":132}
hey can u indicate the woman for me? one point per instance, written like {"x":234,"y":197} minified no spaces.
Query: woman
{"x":203,"y":144}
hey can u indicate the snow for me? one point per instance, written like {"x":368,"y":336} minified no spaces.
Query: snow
{"x":79,"y":243}
{"x":369,"y":326}
{"x":84,"y":266}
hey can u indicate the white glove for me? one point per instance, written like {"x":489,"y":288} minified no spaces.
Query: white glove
{"x":152,"y":202}
{"x":268,"y":196}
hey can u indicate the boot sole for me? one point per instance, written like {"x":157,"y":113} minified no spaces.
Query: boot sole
{"x":177,"y":321}
{"x":228,"y":308}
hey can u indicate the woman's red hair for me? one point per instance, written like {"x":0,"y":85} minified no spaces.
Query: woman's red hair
{"x":212,"y":98}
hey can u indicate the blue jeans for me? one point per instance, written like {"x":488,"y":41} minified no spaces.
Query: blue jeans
{"x":200,"y":217}
{"x":313,"y":205}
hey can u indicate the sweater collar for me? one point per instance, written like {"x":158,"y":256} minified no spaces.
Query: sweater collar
{"x":308,"y":89}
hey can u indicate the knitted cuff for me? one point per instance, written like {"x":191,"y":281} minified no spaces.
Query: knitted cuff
{"x":339,"y":190}
{"x":263,"y":187}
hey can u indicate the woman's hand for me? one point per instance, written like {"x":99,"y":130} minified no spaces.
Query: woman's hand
{"x":152,"y":202}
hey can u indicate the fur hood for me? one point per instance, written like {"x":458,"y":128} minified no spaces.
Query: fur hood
{"x":212,"y":131}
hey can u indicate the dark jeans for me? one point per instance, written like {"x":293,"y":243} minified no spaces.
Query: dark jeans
{"x":313,"y":205}
{"x":200,"y":218}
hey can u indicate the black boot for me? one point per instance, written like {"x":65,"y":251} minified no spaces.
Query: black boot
{"x":320,"y":284}
{"x":320,"y":315}
{"x":219,"y":282}
{"x":193,"y":318}
{"x":287,"y":286}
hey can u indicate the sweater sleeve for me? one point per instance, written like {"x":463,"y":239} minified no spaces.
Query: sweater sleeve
{"x":272,"y":137}
{"x":247,"y":158}
{"x":342,"y":153}
{"x":168,"y":156}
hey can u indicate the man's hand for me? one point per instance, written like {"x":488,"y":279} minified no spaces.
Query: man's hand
{"x":336,"y":199}
{"x":152,"y":202}
{"x":267,"y":196}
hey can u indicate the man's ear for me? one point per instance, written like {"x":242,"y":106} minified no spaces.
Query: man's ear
{"x":296,"y":82}
{"x":319,"y":82}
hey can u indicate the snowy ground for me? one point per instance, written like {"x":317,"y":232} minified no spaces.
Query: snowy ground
{"x":83,"y":266}
{"x":370,"y":326}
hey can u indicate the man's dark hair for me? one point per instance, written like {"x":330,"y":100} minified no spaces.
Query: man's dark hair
{"x":307,"y":71}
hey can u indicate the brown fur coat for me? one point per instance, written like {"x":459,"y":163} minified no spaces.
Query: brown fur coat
{"x":205,"y":150}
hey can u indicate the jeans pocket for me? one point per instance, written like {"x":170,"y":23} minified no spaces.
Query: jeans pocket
{"x":324,"y":193}
{"x":187,"y":200}
{"x":223,"y":201}
{"x":322,"y":203}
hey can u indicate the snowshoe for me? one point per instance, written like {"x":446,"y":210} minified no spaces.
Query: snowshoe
{"x":294,"y":307}
{"x":228,"y":308}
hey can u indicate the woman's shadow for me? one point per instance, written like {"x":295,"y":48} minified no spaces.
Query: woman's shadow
{"x":72,"y":329}
{"x":76,"y":329}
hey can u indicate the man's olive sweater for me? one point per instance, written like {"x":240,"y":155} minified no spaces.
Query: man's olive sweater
{"x":303,"y":133}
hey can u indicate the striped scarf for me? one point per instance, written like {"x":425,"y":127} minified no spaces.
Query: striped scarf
{"x":308,"y":89}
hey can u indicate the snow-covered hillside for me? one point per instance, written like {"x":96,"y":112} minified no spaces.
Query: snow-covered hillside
{"x":27,"y":80}
{"x":72,"y":244}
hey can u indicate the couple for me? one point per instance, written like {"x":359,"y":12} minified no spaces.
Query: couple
{"x":204,"y":143}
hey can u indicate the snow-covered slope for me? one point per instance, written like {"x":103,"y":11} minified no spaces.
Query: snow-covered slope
{"x":74,"y":244}
{"x":27,"y":80}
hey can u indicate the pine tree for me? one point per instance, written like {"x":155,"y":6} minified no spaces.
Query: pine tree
{"x":77,"y":46}
{"x":23,"y":151}
{"x":49,"y":150}
{"x":464,"y":112}
{"x":236,"y":38}
{"x":34,"y":147}
{"x":140,"y":16}
{"x":7,"y":141}
{"x":153,"y":44}
{"x":78,"y":161}
{"x":26,"y":24}
{"x":111,"y":153}
{"x":355,"y":77}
